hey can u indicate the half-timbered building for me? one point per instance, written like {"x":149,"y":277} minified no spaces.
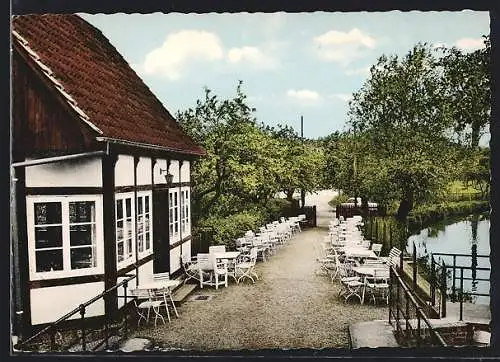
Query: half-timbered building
{"x":100,"y":171}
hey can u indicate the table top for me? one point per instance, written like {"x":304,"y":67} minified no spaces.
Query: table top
{"x":159,"y":284}
{"x":370,"y":270}
{"x":227,"y":255}
{"x":359,"y":253}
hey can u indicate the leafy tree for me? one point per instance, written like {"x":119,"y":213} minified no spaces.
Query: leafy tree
{"x":402,"y":112}
{"x":466,"y":86}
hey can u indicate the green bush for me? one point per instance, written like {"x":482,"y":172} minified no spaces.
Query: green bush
{"x":338,"y":200}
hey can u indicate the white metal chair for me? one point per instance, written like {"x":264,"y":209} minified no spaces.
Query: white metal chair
{"x":244,"y":267}
{"x":216,"y":249}
{"x":144,"y":302}
{"x":165,"y":293}
{"x":377,"y":285}
{"x":220,"y":271}
{"x":205,"y":269}
{"x":190,"y":268}
{"x":377,"y":248}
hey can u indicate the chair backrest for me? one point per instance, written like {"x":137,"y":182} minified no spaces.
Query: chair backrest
{"x":139,"y":293}
{"x":376,"y":248}
{"x":253,"y":255}
{"x":219,"y":265}
{"x":161,"y":276}
{"x":217,"y":249}
{"x":204,"y":261}
{"x":394,"y":256}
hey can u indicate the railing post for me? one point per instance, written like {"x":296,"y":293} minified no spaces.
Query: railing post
{"x":52,"y":339}
{"x":414,"y":268}
{"x":384,"y":241}
{"x":407,"y":317}
{"x":391,"y":280}
{"x":82,"y":314}
{"x":461,"y":293}
{"x":418,"y":311}
{"x":453,"y":295}
{"x":443,"y":290}
{"x":433,"y":281}
{"x":106,"y":324}
{"x":125,"y":314}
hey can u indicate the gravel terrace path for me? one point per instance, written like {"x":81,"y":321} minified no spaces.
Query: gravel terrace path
{"x":289,"y":307}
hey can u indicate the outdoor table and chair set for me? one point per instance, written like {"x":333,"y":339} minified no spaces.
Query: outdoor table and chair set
{"x":356,"y":263}
{"x":216,"y":267}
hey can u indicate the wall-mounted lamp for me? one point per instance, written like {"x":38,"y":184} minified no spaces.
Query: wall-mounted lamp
{"x":168,"y":176}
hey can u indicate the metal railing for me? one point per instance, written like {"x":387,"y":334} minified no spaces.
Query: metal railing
{"x":54,"y":328}
{"x":404,"y":310}
{"x":440,"y":273}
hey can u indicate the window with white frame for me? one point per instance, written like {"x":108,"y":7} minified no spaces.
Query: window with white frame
{"x":63,"y":233}
{"x":125,"y":233}
{"x":144,"y":229}
{"x":185,"y":210}
{"x":173,"y":214}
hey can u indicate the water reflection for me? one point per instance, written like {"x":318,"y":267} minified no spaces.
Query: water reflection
{"x":468,"y":236}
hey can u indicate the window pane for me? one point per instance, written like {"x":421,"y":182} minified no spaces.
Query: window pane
{"x":81,"y":211}
{"x":48,"y":237}
{"x":129,"y":247}
{"x":139,"y":205}
{"x":140,"y":243}
{"x":82,"y":258}
{"x":175,"y":198}
{"x":148,"y":243}
{"x":128,"y":207}
{"x":47,"y":213}
{"x":120,"y":252}
{"x":146,"y":201}
{"x":82,"y":235}
{"x":128,"y":226}
{"x":49,"y":260}
{"x":146,"y":222}
{"x":119,"y":209}
{"x":119,"y":230}
{"x":140,"y":225}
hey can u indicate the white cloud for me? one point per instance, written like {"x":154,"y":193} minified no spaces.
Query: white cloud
{"x":469,"y":44}
{"x":250,"y":55}
{"x":359,"y":71}
{"x":344,"y":97}
{"x":180,"y":48}
{"x":303,"y":94}
{"x":306,"y":97}
{"x":342,"y":47}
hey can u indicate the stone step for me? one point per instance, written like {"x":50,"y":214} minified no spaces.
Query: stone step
{"x":182,"y":292}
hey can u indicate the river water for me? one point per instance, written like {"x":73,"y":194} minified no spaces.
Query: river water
{"x":459,"y":236}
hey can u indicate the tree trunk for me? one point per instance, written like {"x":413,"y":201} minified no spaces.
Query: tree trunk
{"x":475,"y":134}
{"x":405,"y":206}
{"x":289,"y":194}
{"x":364,"y":207}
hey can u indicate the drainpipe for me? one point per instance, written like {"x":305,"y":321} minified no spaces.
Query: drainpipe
{"x":16,"y":328}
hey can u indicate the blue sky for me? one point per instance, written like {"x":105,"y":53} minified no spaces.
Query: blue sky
{"x":291,"y":64}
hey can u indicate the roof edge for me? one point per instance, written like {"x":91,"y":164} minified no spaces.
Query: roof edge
{"x":150,"y":146}
{"x":48,"y":73}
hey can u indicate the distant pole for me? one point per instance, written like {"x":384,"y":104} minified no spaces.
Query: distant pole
{"x":302,"y":192}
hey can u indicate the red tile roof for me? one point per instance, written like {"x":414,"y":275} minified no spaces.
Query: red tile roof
{"x":99,"y":80}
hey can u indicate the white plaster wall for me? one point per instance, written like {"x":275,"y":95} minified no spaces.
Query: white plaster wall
{"x":186,"y":250}
{"x":145,"y":275}
{"x":185,"y":173}
{"x":174,"y":170}
{"x":49,"y":304}
{"x":124,"y":171}
{"x":175,"y":262}
{"x":144,"y":171}
{"x":160,"y":165}
{"x":84,"y":172}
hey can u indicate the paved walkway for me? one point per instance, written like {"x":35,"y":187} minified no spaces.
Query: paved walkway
{"x":289,"y":307}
